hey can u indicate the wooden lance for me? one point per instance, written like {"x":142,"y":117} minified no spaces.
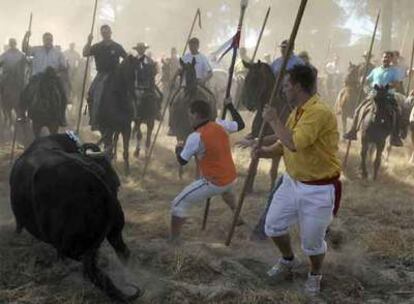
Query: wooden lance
{"x":236,"y":45}
{"x":85,"y":75}
{"x":272,"y":102}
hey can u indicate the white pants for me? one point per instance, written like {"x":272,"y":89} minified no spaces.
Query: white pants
{"x":196,"y":192}
{"x":310,"y":206}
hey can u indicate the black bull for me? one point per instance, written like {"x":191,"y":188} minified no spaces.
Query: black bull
{"x":69,"y":200}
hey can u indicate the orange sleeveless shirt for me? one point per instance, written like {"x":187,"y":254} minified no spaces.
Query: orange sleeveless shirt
{"x":217,"y":164}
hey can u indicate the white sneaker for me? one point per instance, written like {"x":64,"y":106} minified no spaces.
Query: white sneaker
{"x":283,"y":268}
{"x":313,"y":284}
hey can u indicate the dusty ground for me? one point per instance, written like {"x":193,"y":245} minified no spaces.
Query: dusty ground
{"x":371,"y":257}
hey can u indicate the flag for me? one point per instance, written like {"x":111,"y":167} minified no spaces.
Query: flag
{"x":232,"y":43}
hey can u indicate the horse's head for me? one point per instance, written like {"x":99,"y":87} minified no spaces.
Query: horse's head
{"x":189,"y":73}
{"x":384,"y":101}
{"x":352,"y":77}
{"x":258,"y":83}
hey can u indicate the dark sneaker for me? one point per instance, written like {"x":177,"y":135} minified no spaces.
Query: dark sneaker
{"x":351,"y":135}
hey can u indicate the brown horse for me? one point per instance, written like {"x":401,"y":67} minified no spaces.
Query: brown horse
{"x":347,"y":99}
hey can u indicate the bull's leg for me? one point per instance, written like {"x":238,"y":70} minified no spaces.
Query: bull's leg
{"x":377,"y":162}
{"x":150,"y":128}
{"x":364,"y":152}
{"x":126,"y":137}
{"x":102,"y":281}
{"x":116,"y":139}
{"x":139,"y":138}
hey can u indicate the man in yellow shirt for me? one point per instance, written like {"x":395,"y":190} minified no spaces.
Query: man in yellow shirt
{"x":310,"y":191}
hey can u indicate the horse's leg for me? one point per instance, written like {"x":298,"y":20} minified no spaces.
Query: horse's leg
{"x":150,"y":128}
{"x":116,"y":139}
{"x":107,"y":139}
{"x":274,"y":171}
{"x":344,"y":123}
{"x":364,"y":152}
{"x":126,"y":137}
{"x":412,"y":143}
{"x":377,"y":163}
{"x":139,"y":138}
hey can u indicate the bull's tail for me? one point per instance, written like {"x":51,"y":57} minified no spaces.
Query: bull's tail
{"x":103,"y":282}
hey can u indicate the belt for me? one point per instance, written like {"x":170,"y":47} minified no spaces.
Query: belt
{"x":335,"y":181}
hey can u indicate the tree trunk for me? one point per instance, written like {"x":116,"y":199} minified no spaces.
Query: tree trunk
{"x":386,"y":32}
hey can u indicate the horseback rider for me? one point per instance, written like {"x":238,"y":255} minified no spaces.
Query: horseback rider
{"x":384,"y":75}
{"x":107,"y":55}
{"x":145,"y":70}
{"x":12,"y":64}
{"x":203,"y":69}
{"x":48,"y":63}
{"x":293,"y":60}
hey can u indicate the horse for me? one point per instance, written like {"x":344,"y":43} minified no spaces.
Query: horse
{"x":147,"y":101}
{"x":376,"y":126}
{"x":45,"y":101}
{"x":116,"y":110}
{"x":347,"y":99}
{"x":181,"y":100}
{"x":257,"y":90}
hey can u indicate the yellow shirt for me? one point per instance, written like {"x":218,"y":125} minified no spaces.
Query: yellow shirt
{"x":316,"y":138}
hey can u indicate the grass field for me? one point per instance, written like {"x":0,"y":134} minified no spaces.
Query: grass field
{"x":370,"y":260}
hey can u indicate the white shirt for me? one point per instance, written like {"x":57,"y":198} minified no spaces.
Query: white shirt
{"x":42,"y":59}
{"x":194,"y":145}
{"x":331,"y":68}
{"x":202,"y":66}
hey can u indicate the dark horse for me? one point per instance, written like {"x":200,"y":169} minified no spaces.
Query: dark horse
{"x":376,"y":126}
{"x":257,"y":90}
{"x":115,"y":112}
{"x":147,"y":101}
{"x":181,"y":100}
{"x":347,"y":99}
{"x":45,"y":101}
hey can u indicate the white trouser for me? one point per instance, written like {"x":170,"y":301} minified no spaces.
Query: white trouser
{"x":310,"y":206}
{"x":196,"y":192}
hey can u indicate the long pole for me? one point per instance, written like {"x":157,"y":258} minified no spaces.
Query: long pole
{"x":410,"y":72}
{"x":13,"y":147}
{"x":259,"y":40}
{"x":361,"y":89}
{"x":170,"y":95}
{"x":276,"y":89}
{"x":85,"y":75}
{"x":236,"y":43}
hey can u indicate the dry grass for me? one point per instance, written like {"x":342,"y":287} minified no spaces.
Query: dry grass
{"x":371,"y":257}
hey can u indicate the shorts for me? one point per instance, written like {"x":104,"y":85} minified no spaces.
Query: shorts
{"x":308,"y":205}
{"x":197,"y":192}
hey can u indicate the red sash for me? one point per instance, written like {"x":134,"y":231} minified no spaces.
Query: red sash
{"x":338,"y":189}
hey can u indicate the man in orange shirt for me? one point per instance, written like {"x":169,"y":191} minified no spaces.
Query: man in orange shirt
{"x":210,"y":145}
